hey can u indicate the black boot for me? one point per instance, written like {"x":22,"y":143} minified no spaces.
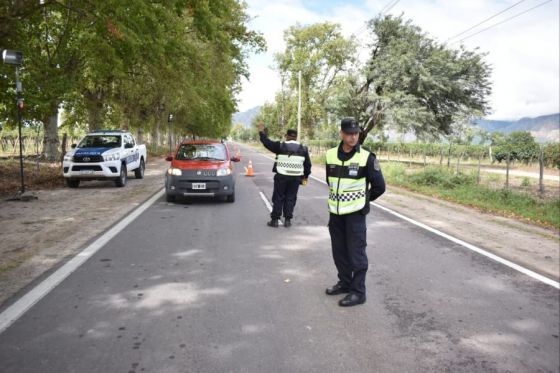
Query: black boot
{"x":287,"y":223}
{"x":273,"y":223}
{"x":352,"y":299}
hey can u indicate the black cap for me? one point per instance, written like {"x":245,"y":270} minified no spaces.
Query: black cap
{"x":350,"y":125}
{"x":291,"y":133}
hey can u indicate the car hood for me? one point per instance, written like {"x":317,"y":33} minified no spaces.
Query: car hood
{"x":198,"y":165}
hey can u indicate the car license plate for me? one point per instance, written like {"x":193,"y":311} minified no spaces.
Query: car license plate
{"x":86,"y":172}
{"x":199,"y":186}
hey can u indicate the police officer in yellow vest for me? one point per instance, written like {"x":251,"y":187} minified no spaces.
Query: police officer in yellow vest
{"x":292,"y":168}
{"x":354,"y":178}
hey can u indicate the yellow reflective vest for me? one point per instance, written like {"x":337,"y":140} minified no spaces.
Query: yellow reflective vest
{"x":348,"y":186}
{"x":291,"y":164}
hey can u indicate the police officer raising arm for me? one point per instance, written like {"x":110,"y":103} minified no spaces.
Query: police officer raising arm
{"x":292,"y":168}
{"x":354,"y":178}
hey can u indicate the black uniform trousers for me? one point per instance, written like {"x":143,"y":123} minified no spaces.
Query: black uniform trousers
{"x":284,"y":196}
{"x":348,"y":238}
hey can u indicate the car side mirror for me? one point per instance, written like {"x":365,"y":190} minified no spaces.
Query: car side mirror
{"x":235,"y":159}
{"x":169,"y":158}
{"x":73,"y":146}
{"x":128,"y":146}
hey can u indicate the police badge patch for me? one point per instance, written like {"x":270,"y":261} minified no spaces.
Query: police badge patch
{"x":353,"y":169}
{"x":376,"y":165}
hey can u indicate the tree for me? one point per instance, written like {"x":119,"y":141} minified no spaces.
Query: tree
{"x":126,"y":64}
{"x":414,"y":83}
{"x":322,"y":54}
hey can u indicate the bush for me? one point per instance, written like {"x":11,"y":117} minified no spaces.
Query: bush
{"x":435,"y":176}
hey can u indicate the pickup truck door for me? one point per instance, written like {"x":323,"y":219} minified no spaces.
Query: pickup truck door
{"x":131,"y":152}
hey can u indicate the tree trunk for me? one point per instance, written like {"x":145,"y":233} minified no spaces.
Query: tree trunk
{"x":63,"y":148}
{"x":94,"y":106}
{"x":140,"y":136}
{"x":51,"y":142}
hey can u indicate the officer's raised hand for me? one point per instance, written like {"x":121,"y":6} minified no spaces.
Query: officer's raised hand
{"x":261,"y":127}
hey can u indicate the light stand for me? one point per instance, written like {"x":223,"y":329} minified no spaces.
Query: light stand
{"x":12,"y":57}
{"x":169,"y":120}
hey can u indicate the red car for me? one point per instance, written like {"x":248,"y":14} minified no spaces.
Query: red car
{"x":201,"y":168}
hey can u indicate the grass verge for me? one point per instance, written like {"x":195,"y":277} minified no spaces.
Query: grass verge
{"x":462,"y":188}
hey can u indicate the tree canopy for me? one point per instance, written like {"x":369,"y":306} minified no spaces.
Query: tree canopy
{"x":409,"y":81}
{"x":122,"y":64}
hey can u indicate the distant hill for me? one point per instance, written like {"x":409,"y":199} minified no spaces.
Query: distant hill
{"x":545,"y":128}
{"x":246,"y":117}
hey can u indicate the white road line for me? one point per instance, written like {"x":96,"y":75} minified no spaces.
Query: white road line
{"x":268,"y":205}
{"x":16,"y":310}
{"x":467,"y":245}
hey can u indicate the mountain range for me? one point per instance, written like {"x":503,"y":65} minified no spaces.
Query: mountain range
{"x":246,"y":117}
{"x":545,"y":128}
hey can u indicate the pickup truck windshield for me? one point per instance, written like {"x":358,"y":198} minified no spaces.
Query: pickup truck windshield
{"x":100,"y":141}
{"x":201,"y":152}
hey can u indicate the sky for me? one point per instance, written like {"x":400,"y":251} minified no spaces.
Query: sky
{"x":523,"y":52}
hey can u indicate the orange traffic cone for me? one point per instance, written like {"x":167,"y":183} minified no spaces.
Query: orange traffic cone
{"x":237,"y":154}
{"x":249,"y":169}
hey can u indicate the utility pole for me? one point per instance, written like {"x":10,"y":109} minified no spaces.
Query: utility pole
{"x":169,"y":120}
{"x":15,"y":58}
{"x":299,"y":108}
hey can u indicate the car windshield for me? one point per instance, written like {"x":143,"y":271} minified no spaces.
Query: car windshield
{"x":202,"y":152}
{"x":100,"y":141}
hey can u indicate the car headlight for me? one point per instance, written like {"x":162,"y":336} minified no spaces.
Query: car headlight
{"x":112,"y":157}
{"x":174,"y":172}
{"x":223,"y":172}
{"x":68,"y":157}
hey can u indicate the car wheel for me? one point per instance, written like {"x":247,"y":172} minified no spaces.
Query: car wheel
{"x":121,"y":181}
{"x":169,"y":198}
{"x":72,"y":183}
{"x":231,"y":198}
{"x":139,"y":172}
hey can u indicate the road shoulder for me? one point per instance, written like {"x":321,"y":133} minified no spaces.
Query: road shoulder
{"x":39,"y":235}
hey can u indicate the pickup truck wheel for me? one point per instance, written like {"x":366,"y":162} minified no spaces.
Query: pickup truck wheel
{"x":169,"y":198}
{"x":139,"y":172}
{"x":231,"y":198}
{"x":121,"y":181}
{"x":72,"y":183}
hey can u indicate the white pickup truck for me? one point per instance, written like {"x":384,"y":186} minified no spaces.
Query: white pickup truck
{"x":103,"y":155}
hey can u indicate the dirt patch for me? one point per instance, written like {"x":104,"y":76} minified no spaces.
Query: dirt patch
{"x":39,"y":234}
{"x":36,"y":176}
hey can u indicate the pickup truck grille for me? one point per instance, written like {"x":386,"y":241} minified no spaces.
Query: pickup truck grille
{"x":88,"y":158}
{"x":87,"y":168}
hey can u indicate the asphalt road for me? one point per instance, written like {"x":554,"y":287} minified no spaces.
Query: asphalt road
{"x":207,"y":287}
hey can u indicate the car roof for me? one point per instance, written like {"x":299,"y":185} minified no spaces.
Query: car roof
{"x":107,"y":132}
{"x":201,"y":142}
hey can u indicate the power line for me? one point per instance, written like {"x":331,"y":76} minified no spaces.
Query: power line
{"x":389,"y":6}
{"x":505,"y":20}
{"x":487,"y":19}
{"x":385,"y":9}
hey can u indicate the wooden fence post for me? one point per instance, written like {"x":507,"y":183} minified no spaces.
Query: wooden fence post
{"x":478,"y":169}
{"x":507,"y":171}
{"x":541,"y":171}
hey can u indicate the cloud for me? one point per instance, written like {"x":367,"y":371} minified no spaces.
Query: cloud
{"x":524,"y":52}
